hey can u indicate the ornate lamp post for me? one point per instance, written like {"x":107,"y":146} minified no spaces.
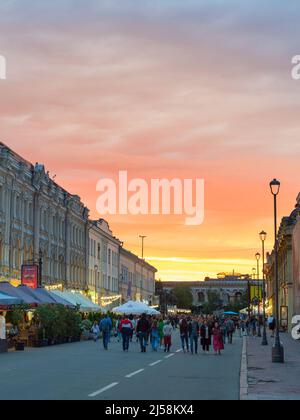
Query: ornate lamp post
{"x":278,"y":350}
{"x":263,"y":237}
{"x":257,"y":256}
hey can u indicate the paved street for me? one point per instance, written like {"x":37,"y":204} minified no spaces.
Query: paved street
{"x":85,"y":371}
{"x":271,"y":381}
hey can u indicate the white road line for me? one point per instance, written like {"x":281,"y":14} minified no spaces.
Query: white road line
{"x":134,"y":373}
{"x":103,"y":390}
{"x":178,"y":351}
{"x":170,"y":355}
{"x":155,"y":363}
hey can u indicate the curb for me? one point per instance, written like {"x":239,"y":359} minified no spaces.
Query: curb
{"x":244,"y":373}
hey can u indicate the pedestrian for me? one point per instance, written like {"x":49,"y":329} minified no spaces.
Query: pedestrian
{"x":194,"y":331}
{"x":95,"y":331}
{"x":218,"y":339}
{"x":168,"y":330}
{"x":184,"y":334}
{"x":230,"y":327}
{"x":161,"y":331}
{"x":143,"y":329}
{"x":205,"y":333}
{"x":272,"y":324}
{"x":105,"y":328}
{"x":126,"y":328}
{"x":155,"y":339}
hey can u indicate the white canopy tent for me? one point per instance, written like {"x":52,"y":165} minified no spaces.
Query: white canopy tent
{"x":135,"y":308}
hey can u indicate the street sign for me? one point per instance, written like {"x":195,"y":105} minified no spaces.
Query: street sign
{"x":30,"y":276}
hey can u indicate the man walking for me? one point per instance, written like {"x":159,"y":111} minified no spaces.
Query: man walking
{"x":194,"y":330}
{"x":105,"y":327}
{"x":184,"y":334}
{"x":143,"y":330}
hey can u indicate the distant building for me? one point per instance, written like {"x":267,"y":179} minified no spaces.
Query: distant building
{"x":230,"y":288}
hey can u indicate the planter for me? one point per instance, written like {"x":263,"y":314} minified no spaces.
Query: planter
{"x":20,"y":346}
{"x":3,"y":346}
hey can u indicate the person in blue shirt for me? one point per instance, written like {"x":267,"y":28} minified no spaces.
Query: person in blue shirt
{"x":106,"y":327}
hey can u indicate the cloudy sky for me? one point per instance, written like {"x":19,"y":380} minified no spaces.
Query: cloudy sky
{"x":161,"y":88}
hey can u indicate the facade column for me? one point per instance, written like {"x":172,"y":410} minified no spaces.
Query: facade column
{"x":36,"y":226}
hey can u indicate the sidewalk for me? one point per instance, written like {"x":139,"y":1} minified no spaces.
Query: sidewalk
{"x":271,"y":381}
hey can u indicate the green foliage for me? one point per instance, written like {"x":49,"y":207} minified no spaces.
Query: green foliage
{"x":239,"y":305}
{"x":183,"y":296}
{"x":58,"y":323}
{"x":17,"y":315}
{"x":212,"y":304}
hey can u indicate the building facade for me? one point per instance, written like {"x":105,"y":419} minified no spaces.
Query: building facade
{"x":285,"y":271}
{"x":230,"y":289}
{"x":104,"y":262}
{"x":137,"y":278}
{"x":39,"y":219}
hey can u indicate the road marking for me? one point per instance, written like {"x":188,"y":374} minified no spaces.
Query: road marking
{"x":134,"y":373}
{"x":155,"y":363}
{"x":170,"y":355}
{"x":178,"y":351}
{"x":103,"y":390}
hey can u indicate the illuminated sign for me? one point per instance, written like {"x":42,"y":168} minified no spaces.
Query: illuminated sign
{"x":30,"y":275}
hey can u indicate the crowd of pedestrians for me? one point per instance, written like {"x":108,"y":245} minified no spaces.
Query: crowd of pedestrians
{"x":157,"y":333}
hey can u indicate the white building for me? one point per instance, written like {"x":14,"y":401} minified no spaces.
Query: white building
{"x":104,"y":255}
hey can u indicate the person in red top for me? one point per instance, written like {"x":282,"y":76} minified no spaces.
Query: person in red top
{"x":126,"y":329}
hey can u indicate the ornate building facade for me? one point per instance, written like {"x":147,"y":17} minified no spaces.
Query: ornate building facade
{"x":104,"y":262}
{"x":137,"y":278}
{"x":39,"y":219}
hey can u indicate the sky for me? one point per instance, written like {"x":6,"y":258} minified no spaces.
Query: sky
{"x":162,"y":89}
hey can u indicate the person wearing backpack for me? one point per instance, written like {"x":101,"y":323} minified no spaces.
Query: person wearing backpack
{"x":106,"y":327}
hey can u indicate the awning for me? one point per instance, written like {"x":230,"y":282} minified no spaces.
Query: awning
{"x":18,"y":293}
{"x":7,"y":300}
{"x":43,"y":296}
{"x":76,"y":299}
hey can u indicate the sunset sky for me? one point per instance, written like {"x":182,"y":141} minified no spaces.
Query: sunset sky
{"x":161,"y":88}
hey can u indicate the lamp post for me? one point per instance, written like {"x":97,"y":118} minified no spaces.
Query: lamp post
{"x":277,"y":350}
{"x":40,"y":277}
{"x":257,"y":256}
{"x":263,"y":237}
{"x":96,"y":276}
{"x":143,"y":237}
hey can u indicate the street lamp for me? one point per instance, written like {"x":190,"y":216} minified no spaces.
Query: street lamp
{"x":96,"y":276}
{"x":263,"y":237}
{"x":278,"y":350}
{"x":143,"y":237}
{"x":257,"y":256}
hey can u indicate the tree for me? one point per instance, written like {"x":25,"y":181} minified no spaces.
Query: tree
{"x":184,"y":297}
{"x":212,"y":304}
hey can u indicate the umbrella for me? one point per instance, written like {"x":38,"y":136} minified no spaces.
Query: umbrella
{"x":230,"y":313}
{"x":135,"y":308}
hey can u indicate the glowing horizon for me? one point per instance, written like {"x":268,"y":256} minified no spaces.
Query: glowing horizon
{"x":163,"y":90}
